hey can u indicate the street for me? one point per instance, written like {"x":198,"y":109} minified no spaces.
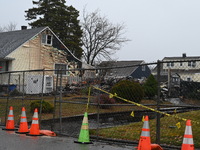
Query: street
{"x":12,"y":141}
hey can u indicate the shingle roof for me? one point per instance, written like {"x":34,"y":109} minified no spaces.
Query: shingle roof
{"x":9,"y":41}
{"x":126,"y":67}
{"x":182,"y":58}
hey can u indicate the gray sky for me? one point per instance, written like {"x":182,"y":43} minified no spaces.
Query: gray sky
{"x":156,"y":28}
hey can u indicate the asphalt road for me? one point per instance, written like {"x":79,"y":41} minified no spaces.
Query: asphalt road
{"x":9,"y":140}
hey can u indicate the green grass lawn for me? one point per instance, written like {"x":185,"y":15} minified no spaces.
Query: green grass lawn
{"x":170,"y":134}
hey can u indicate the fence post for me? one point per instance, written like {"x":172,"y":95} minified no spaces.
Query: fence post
{"x":60,"y":102}
{"x":8,"y":97}
{"x":98,"y":111}
{"x":42,"y":96}
{"x":23,"y":86}
{"x":158,"y":105}
{"x":55,"y":100}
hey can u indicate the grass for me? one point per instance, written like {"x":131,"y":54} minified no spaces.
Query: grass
{"x":170,"y":134}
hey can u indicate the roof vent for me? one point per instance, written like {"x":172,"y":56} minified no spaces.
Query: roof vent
{"x":23,"y":27}
{"x":184,"y":55}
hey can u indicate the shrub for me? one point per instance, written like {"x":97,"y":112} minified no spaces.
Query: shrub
{"x":129,"y":90}
{"x":85,"y":90}
{"x":15,"y":92}
{"x":46,"y":106}
{"x":104,"y":99}
{"x":150,"y":87}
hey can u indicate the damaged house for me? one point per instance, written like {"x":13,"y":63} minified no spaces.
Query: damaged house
{"x":35,"y":49}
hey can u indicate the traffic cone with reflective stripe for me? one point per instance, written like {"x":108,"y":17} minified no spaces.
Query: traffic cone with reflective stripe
{"x":34,"y":129}
{"x":84,"y":137}
{"x":23,"y":127}
{"x":10,"y":124}
{"x":145,"y":141}
{"x":188,"y":143}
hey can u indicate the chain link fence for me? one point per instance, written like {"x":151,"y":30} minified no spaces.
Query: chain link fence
{"x":116,"y":99}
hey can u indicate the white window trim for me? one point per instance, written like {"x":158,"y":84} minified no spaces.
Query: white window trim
{"x":46,"y":37}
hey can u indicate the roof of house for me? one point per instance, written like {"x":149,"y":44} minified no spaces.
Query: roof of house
{"x":183,"y":57}
{"x":121,"y":68}
{"x":9,"y":41}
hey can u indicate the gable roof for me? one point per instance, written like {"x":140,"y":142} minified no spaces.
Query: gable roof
{"x":9,"y":41}
{"x":121,"y":68}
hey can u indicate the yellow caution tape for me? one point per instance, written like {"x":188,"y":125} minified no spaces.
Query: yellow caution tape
{"x":88,"y":99}
{"x":175,"y":111}
{"x":142,"y":118}
{"x":178,"y":125}
{"x":132,"y":114}
{"x":111,"y":96}
{"x":143,"y":106}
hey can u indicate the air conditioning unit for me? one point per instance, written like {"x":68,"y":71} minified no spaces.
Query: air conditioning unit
{"x":35,"y":85}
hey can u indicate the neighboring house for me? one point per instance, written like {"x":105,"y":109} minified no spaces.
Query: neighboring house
{"x":125,"y":69}
{"x":187,"y":68}
{"x":174,"y":70}
{"x":89,"y":71}
{"x":32,"y":49}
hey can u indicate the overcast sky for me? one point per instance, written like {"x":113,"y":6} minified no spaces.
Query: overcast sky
{"x":156,"y":28}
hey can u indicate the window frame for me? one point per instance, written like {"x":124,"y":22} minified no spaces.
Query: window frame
{"x":64,"y":73}
{"x":45,"y":40}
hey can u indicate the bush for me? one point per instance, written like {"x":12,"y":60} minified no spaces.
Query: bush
{"x":46,"y":106}
{"x":150,"y":87}
{"x":104,"y":99}
{"x":85,"y":90}
{"x":15,"y":92}
{"x":129,"y":90}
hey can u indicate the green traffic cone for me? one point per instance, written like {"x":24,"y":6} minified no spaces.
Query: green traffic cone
{"x":84,"y":137}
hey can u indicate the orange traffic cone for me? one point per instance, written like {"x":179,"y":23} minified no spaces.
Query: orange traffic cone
{"x":23,"y":127}
{"x":35,"y":129}
{"x":156,"y":147}
{"x":188,"y":143}
{"x":10,"y":124}
{"x":145,"y":141}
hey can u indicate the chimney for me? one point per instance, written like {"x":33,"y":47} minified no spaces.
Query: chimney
{"x":23,"y":27}
{"x":184,"y":55}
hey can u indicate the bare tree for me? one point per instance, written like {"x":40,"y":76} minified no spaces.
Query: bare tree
{"x":101,"y":39}
{"x":9,"y":27}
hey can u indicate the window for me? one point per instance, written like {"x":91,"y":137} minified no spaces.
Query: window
{"x":194,"y":64}
{"x":189,"y":79}
{"x":47,"y":39}
{"x":143,"y":68}
{"x":170,"y":64}
{"x":181,"y":63}
{"x":189,"y":63}
{"x":62,"y":67}
{"x":3,"y":65}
